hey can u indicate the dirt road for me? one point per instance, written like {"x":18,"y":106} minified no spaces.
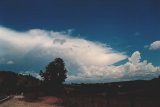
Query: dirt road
{"x":17,"y":101}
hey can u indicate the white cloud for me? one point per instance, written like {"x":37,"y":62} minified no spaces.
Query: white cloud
{"x":31,"y":73}
{"x":132,"y":70}
{"x":135,"y":58}
{"x":39,"y":46}
{"x":155,"y":45}
{"x":10,"y":62}
{"x":85,"y":60}
{"x":136,"y":67}
{"x":4,"y":61}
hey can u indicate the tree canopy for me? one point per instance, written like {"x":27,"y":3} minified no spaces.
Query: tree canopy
{"x":54,"y":75}
{"x":55,"y":71}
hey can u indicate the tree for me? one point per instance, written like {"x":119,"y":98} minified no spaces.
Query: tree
{"x":54,"y":75}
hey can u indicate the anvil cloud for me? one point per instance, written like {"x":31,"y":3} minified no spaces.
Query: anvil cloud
{"x":30,"y":51}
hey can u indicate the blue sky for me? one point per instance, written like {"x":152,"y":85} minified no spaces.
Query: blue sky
{"x":126,"y":26}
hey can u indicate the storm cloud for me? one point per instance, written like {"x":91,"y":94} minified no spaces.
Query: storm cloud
{"x":86,"y":61}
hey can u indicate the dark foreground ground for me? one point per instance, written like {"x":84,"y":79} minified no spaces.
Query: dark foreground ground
{"x":85,"y":101}
{"x":116,"y":101}
{"x":120,"y":94}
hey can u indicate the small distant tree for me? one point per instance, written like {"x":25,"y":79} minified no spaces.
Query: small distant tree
{"x":54,"y":75}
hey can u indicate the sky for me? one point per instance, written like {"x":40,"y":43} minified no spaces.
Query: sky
{"x":99,"y":40}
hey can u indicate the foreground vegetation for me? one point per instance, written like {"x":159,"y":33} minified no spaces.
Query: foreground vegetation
{"x":121,"y":94}
{"x":140,"y":93}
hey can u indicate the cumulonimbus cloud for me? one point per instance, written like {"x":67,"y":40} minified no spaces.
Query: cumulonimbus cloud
{"x":86,"y":61}
{"x":41,"y":46}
